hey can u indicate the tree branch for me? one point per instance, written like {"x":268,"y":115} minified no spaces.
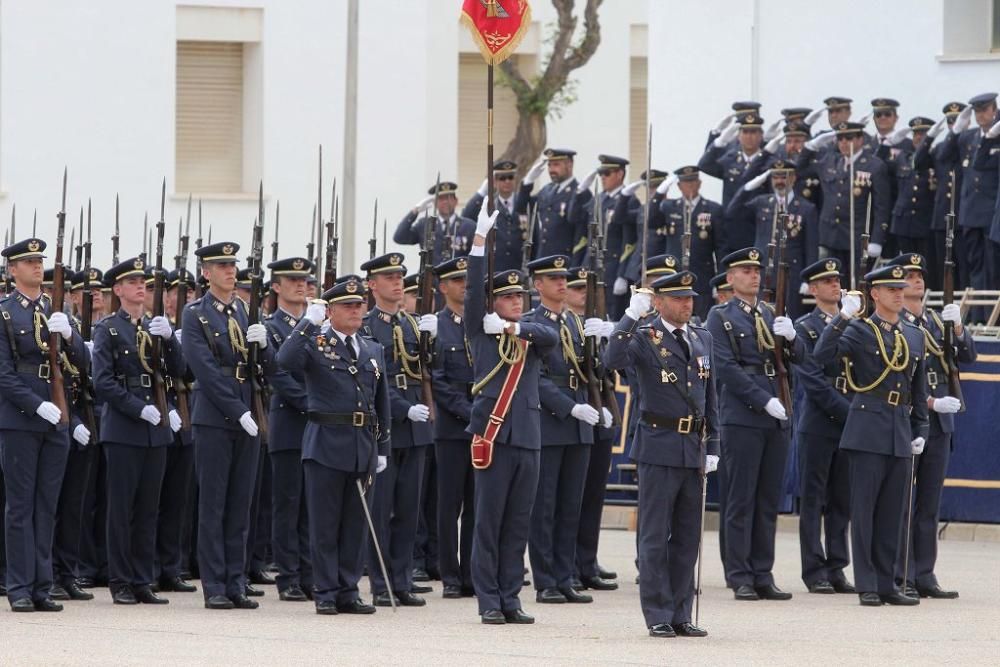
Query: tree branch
{"x":591,"y":38}
{"x":515,"y":79}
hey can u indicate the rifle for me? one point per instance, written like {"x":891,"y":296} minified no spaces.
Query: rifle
{"x":198,"y":290}
{"x":645,"y":209}
{"x":5,"y":277}
{"x":372,"y":250}
{"x":590,"y":353}
{"x":608,"y":398}
{"x":180,"y":264}
{"x":74,"y":249}
{"x":56,"y":383}
{"x":311,"y":246}
{"x":862,"y":284}
{"x":156,"y":348}
{"x":767,"y":284}
{"x":947,"y":297}
{"x":116,"y":303}
{"x":272,"y":296}
{"x":258,"y":400}
{"x":685,"y":236}
{"x":144,"y":241}
{"x":425,"y":306}
{"x":11,"y":237}
{"x":319,"y":215}
{"x":86,"y":399}
{"x":526,"y":251}
{"x":330,"y":270}
{"x":780,"y":293}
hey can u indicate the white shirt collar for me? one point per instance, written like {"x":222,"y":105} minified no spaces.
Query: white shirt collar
{"x":670,"y":327}
{"x":857,"y":154}
{"x":693,"y":203}
{"x":343,"y":338}
{"x":565,"y":184}
{"x":612,"y":193}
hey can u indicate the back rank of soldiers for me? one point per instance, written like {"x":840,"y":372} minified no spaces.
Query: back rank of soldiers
{"x":512,"y":229}
{"x":452,"y":232}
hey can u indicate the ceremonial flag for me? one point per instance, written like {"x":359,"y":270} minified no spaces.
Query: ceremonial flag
{"x":497,"y":26}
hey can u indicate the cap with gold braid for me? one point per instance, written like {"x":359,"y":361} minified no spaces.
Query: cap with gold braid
{"x":553,"y":265}
{"x":911,"y":261}
{"x":27,"y":249}
{"x":824,"y":268}
{"x":577,"y":277}
{"x":659,"y":265}
{"x":223,"y":252}
{"x":351,"y":290}
{"x":677,"y":284}
{"x":389,"y":263}
{"x":508,"y":282}
{"x":456,"y":267}
{"x":744,"y":257}
{"x":887,"y":276}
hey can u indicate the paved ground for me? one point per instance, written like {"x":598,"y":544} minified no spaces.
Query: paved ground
{"x":810,"y":628}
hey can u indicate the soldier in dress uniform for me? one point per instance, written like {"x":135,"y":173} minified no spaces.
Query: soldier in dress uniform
{"x":395,"y":504}
{"x":677,"y":441}
{"x":512,"y":229}
{"x":787,"y":147}
{"x":452,"y":232}
{"x":134,"y":432}
{"x":33,"y":444}
{"x":885,"y":117}
{"x":886,"y":424}
{"x":452,"y":382}
{"x":723,"y":291}
{"x":216,"y":337}
{"x":838,"y":110}
{"x":287,"y":421}
{"x":567,"y":433}
{"x":739,"y":108}
{"x":558,"y":229}
{"x":506,"y":416}
{"x":345,"y":440}
{"x":243,"y":285}
{"x":746,"y":339}
{"x":913,"y":204}
{"x":932,"y":464}
{"x":411,"y":284}
{"x":825,"y":492}
{"x":660,"y":182}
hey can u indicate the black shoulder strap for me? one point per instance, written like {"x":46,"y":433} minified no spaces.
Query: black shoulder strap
{"x":209,"y":337}
{"x":5,"y":314}
{"x":727,"y":324}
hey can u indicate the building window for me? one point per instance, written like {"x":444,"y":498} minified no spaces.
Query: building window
{"x":638,"y":117}
{"x":995,"y":27}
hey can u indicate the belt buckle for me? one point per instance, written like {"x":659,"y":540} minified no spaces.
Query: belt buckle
{"x":47,"y":371}
{"x":574,"y":382}
{"x":240,"y":372}
{"x":684,"y":424}
{"x":359,"y":419}
{"x":401,"y":381}
{"x":932,"y":378}
{"x":893,"y":398}
{"x":769,"y":369}
{"x":145,"y":381}
{"x":841,"y":384}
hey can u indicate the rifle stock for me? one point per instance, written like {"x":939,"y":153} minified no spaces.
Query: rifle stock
{"x":156,"y":353}
{"x":780,"y":310}
{"x":258,"y":391}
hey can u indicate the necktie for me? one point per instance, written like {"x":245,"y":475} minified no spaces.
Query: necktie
{"x":351,"y":349}
{"x":679,"y":335}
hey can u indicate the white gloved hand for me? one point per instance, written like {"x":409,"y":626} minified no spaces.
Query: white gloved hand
{"x":418,"y":413}
{"x":607,"y":419}
{"x":917,"y":446}
{"x":620,"y":286}
{"x":662,"y":188}
{"x":952,"y":313}
{"x":484,"y":188}
{"x":59,"y":323}
{"x":177,"y":335}
{"x":896,"y":136}
{"x":49,"y":412}
{"x":316,"y":313}
{"x":757,"y":181}
{"x":727,"y":135}
{"x":586,"y":413}
{"x":867,"y":118}
{"x":82,"y":435}
{"x":874,"y":250}
{"x":773,"y":130}
{"x":850,"y":304}
{"x":814,"y":116}
{"x":248,"y":424}
{"x":89,"y":344}
{"x":821,"y":140}
{"x":175,"y":421}
{"x":595,"y":326}
{"x":160,"y":326}
{"x":784,"y":327}
{"x":257,"y":333}
{"x":711,"y":463}
{"x":423,"y":203}
{"x":638,"y":305}
{"x":428,"y":323}
{"x":485,"y":220}
{"x":630,"y":189}
{"x":536,"y":170}
{"x":724,"y":123}
{"x":947,"y":405}
{"x":382,"y":464}
{"x":774,"y":408}
{"x":587,"y":181}
{"x":804,"y":289}
{"x":773,"y":145}
{"x":961,"y":123}
{"x":493,"y":324}
{"x":325,"y":327}
{"x":150,"y":414}
{"x":994,"y":131}
{"x":937,"y":127}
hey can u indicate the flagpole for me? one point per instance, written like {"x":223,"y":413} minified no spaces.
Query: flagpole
{"x":491,"y":237}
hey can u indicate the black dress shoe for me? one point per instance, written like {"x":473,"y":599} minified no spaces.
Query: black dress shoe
{"x":576,"y":584}
{"x":772,"y":592}
{"x":326,"y":608}
{"x":22,"y":605}
{"x":599,"y":584}
{"x":383,"y":599}
{"x":420,"y":574}
{"x":243,"y":602}
{"x":409,"y":599}
{"x":77,"y":593}
{"x":85,"y":582}
{"x":493,"y":617}
{"x":218,"y":602}
{"x":451,"y":592}
{"x":417,"y":588}
{"x":573,"y":596}
{"x":550,"y":596}
{"x":145,"y":595}
{"x":3,"y":591}
{"x":47,"y":604}
{"x":518,"y":617}
{"x":123,"y":595}
{"x":468,"y":592}
{"x":822,"y":587}
{"x":745,"y":592}
{"x":58,"y":593}
{"x":843,"y":586}
{"x":662,"y":630}
{"x":606,"y":574}
{"x":355,"y":607}
{"x":252,"y":592}
{"x":261,"y":578}
{"x":870,"y":599}
{"x":898,"y":599}
{"x":689,"y":630}
{"x":293,"y":594}
{"x":177,"y":585}
{"x":911,"y":592}
{"x":936,"y":591}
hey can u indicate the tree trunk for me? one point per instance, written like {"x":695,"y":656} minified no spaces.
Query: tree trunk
{"x":528,"y":142}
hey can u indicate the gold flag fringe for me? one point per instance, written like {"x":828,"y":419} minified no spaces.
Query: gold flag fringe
{"x":508,"y":49}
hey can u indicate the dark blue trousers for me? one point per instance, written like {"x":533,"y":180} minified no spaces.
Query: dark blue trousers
{"x":337,"y":531}
{"x":93,"y":553}
{"x":259,"y":534}
{"x":135,"y":475}
{"x":825,"y":499}
{"x":555,"y":516}
{"x":425,"y":549}
{"x":74,"y":516}
{"x":932,"y":468}
{"x":592,"y":507}
{"x":505,"y":493}
{"x":290,"y":520}
{"x":33,"y":466}
{"x":878,"y":483}
{"x":395,"y":507}
{"x":226,"y":467}
{"x":176,"y":500}
{"x":455,"y":502}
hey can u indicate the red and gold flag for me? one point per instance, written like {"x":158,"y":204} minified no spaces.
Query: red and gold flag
{"x":497,"y":26}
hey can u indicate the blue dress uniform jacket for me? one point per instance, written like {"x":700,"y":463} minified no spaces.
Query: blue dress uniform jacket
{"x":289,"y":401}
{"x":452,"y":378}
{"x":512,"y":230}
{"x":827,"y":397}
{"x":936,"y":157}
{"x":410,"y":231}
{"x":916,"y":188}
{"x":802,"y":230}
{"x":976,"y":156}
{"x":807,"y":183}
{"x":557,"y":230}
{"x":987,"y":161}
{"x":731,"y":165}
{"x":123,"y":382}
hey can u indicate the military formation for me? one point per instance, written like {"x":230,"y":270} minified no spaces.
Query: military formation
{"x":163,"y":426}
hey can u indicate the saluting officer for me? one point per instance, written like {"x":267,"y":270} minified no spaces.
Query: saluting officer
{"x":395,"y":505}
{"x":33,"y":444}
{"x":746,"y":335}
{"x":558,"y":229}
{"x":452,"y":233}
{"x":346,"y":439}
{"x":676,"y":442}
{"x":932,"y":464}
{"x":512,"y":229}
{"x":216,"y":336}
{"x":287,"y":421}
{"x":507,"y":356}
{"x":914,"y":185}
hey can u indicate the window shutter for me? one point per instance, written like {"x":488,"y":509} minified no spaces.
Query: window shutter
{"x":638,"y":125}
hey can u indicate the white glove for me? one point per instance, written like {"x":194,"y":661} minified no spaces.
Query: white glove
{"x":257,"y":333}
{"x":484,"y":187}
{"x":177,"y":335}
{"x":606,"y":419}
{"x":248,"y":424}
{"x":776,"y":409}
{"x":783,"y":326}
{"x":82,"y":435}
{"x":586,"y":413}
{"x":961,"y":123}
{"x":774,"y":143}
{"x":638,"y":305}
{"x":485,"y":220}
{"x":151,"y":414}
{"x":813,"y":116}
{"x":896,"y":136}
{"x":595,"y":326}
{"x":630,"y":189}
{"x":937,"y":127}
{"x":493,"y":324}
{"x":423,"y":203}
{"x":59,"y":323}
{"x":418,"y":413}
{"x":952,"y":313}
{"x":89,"y":344}
{"x":867,"y":118}
{"x":711,"y":463}
{"x":316,"y":313}
{"x":850,"y":304}
{"x":917,"y":446}
{"x":620,"y":286}
{"x":773,"y":130}
{"x":587,"y":181}
{"x":757,"y":181}
{"x":382,"y":464}
{"x":874,"y":250}
{"x":49,"y":412}
{"x":428,"y":323}
{"x":160,"y":326}
{"x":175,"y":421}
{"x":819,"y":141}
{"x":727,"y":135}
{"x":724,"y":123}
{"x":947,"y":405}
{"x":535,"y":171}
{"x":662,"y":188}
{"x":804,"y":289}
{"x":994,"y":131}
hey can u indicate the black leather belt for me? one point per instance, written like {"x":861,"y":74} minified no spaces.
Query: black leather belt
{"x":239,"y":371}
{"x":767,"y":369}
{"x":892,"y":397}
{"x":839,"y":383}
{"x":42,"y":370}
{"x":568,"y":382}
{"x":357,"y":419}
{"x":145,"y":380}
{"x":689,"y":424}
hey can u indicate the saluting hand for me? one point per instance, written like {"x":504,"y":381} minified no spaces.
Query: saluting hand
{"x":316,"y":312}
{"x":850,"y":304}
{"x":773,"y":145}
{"x":727,"y":135}
{"x":773,"y":130}
{"x":961,"y":123}
{"x":814,"y":116}
{"x":536,"y":170}
{"x":757,"y":181}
